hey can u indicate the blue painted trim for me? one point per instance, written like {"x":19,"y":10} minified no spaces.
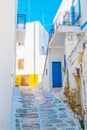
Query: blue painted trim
{"x":64,"y":60}
{"x":75,"y":20}
{"x":79,"y":4}
{"x":84,"y":25}
{"x":73,"y":14}
{"x":79,"y":9}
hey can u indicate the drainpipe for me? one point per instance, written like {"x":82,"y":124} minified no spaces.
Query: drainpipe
{"x":85,"y":120}
{"x":34,"y":53}
{"x":73,"y":12}
{"x":79,"y":8}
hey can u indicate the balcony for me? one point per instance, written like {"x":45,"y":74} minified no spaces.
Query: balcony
{"x":21,"y":28}
{"x":71,"y":19}
{"x":68,"y":22}
{"x":21,"y":22}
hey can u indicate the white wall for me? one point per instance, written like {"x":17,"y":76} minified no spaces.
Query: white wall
{"x":7,"y":42}
{"x":70,"y":43}
{"x":65,"y":6}
{"x":83,"y":11}
{"x":84,"y":80}
{"x":72,"y":63}
{"x":35,"y":38}
{"x":46,"y":76}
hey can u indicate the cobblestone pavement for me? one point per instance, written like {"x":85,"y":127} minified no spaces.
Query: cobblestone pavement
{"x":36,"y":109}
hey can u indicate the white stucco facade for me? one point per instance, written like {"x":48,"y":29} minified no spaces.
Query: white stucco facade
{"x":75,"y":51}
{"x":7,"y":60}
{"x":71,"y":20}
{"x":35,"y":39}
{"x":56,"y":51}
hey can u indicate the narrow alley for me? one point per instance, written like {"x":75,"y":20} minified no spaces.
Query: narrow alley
{"x":43,"y":65}
{"x":36,"y":109}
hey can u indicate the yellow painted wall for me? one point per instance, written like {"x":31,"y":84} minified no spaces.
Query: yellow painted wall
{"x":18,"y":80}
{"x":27,"y":80}
{"x":77,"y":80}
{"x":33,"y":79}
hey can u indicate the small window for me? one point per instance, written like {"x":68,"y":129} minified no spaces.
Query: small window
{"x":42,"y":50}
{"x":21,"y":44}
{"x":21,"y":64}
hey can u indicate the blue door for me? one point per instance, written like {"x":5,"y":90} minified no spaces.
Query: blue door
{"x":56,"y":74}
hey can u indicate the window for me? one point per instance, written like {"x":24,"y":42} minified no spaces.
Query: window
{"x":43,"y":50}
{"x":21,"y":44}
{"x":21,"y":64}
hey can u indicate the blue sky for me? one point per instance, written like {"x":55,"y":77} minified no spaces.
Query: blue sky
{"x":37,"y":10}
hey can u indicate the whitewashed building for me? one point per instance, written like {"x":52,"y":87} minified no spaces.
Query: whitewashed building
{"x":53,"y":74}
{"x":7,"y":60}
{"x":71,"y":20}
{"x":32,"y":44}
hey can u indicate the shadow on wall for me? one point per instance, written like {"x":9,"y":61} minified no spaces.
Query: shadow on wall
{"x":21,"y":33}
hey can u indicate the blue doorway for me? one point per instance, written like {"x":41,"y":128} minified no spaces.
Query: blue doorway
{"x":56,"y":74}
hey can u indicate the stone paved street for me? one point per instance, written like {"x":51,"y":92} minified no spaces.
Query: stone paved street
{"x":36,"y":109}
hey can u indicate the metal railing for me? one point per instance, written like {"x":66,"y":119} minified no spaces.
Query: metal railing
{"x":71,"y":18}
{"x":21,"y":21}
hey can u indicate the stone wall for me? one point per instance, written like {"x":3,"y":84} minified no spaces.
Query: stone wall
{"x":76,"y":75}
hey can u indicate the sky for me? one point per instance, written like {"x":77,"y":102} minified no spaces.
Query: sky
{"x":37,"y":10}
